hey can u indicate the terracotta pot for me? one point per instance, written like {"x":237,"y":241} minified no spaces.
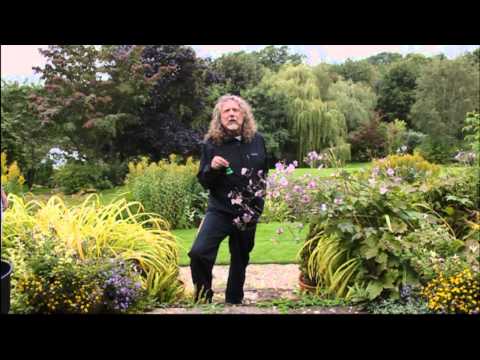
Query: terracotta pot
{"x":304,"y":286}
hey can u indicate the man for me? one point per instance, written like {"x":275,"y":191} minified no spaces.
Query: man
{"x":231,"y":147}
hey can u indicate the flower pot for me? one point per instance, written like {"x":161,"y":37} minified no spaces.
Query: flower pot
{"x":304,"y":286}
{"x":5,"y":293}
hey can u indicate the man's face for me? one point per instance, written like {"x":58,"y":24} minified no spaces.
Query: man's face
{"x":231,"y":117}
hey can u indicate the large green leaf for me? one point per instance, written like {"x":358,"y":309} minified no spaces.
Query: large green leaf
{"x":374,"y":289}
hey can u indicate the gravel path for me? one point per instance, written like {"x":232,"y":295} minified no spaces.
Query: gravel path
{"x":263,"y":283}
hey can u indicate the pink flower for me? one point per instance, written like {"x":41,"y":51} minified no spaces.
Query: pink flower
{"x":305,"y":199}
{"x":259,"y":193}
{"x":237,"y":221}
{"x":275,"y":194}
{"x":390,"y":172}
{"x":338,"y":201}
{"x":283,"y":182}
{"x":279,"y":166}
{"x":246,"y":218}
{"x":244,"y":171}
{"x":295,"y":163}
{"x":312,"y":185}
{"x":297,"y":189}
{"x":288,"y":197}
{"x":290,"y":168}
{"x":237,"y":201}
{"x":383,"y":190}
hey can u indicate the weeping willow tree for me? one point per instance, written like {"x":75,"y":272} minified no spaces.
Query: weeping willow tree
{"x":316,"y":124}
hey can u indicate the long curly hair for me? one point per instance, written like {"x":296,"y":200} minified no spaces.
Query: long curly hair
{"x":217,"y":133}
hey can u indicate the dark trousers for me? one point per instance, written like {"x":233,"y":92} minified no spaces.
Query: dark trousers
{"x":214,"y":228}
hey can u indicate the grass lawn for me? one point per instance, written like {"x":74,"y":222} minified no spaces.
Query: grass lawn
{"x":265,"y":250}
{"x":329,"y":171}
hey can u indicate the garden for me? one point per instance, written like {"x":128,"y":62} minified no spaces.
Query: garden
{"x":375,"y":212}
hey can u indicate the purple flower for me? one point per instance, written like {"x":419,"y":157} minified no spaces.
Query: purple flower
{"x":283,"y":182}
{"x":295,"y":163}
{"x":338,"y":201}
{"x":390,"y":172}
{"x":279,"y":166}
{"x":383,"y":190}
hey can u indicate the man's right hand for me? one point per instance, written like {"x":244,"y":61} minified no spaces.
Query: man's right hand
{"x":219,"y":162}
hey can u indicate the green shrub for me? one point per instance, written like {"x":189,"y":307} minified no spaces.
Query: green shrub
{"x":408,"y":167}
{"x":76,"y":176}
{"x":169,"y":189}
{"x":92,"y":232}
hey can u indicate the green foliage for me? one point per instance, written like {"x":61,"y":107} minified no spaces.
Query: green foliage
{"x":270,"y":109}
{"x":385,"y":227}
{"x":274,"y":57}
{"x":357,"y":71}
{"x":472,"y":130}
{"x":24,"y":137}
{"x":446,"y":91}
{"x":395,"y":136}
{"x":397,"y":90}
{"x":356,"y":101}
{"x":169,"y":189}
{"x":313,"y":122}
{"x":76,"y":176}
{"x":238,"y":71}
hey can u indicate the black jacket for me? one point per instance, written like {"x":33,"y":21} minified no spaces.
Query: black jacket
{"x":240,"y":155}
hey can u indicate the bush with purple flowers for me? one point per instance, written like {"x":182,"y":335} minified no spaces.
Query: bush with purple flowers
{"x":122,"y":286}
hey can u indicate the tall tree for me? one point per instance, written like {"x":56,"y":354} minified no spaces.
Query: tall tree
{"x":314,"y":123}
{"x":93,"y":94}
{"x":356,"y":101}
{"x":447,"y":90}
{"x":24,"y":138}
{"x":273,"y":57}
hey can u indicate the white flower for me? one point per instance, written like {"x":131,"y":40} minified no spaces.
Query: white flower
{"x":323,"y":207}
{"x":244,"y":171}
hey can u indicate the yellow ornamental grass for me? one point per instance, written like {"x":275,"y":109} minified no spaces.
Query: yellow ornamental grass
{"x":92,"y":231}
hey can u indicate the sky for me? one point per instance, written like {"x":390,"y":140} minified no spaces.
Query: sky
{"x":17,"y":60}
